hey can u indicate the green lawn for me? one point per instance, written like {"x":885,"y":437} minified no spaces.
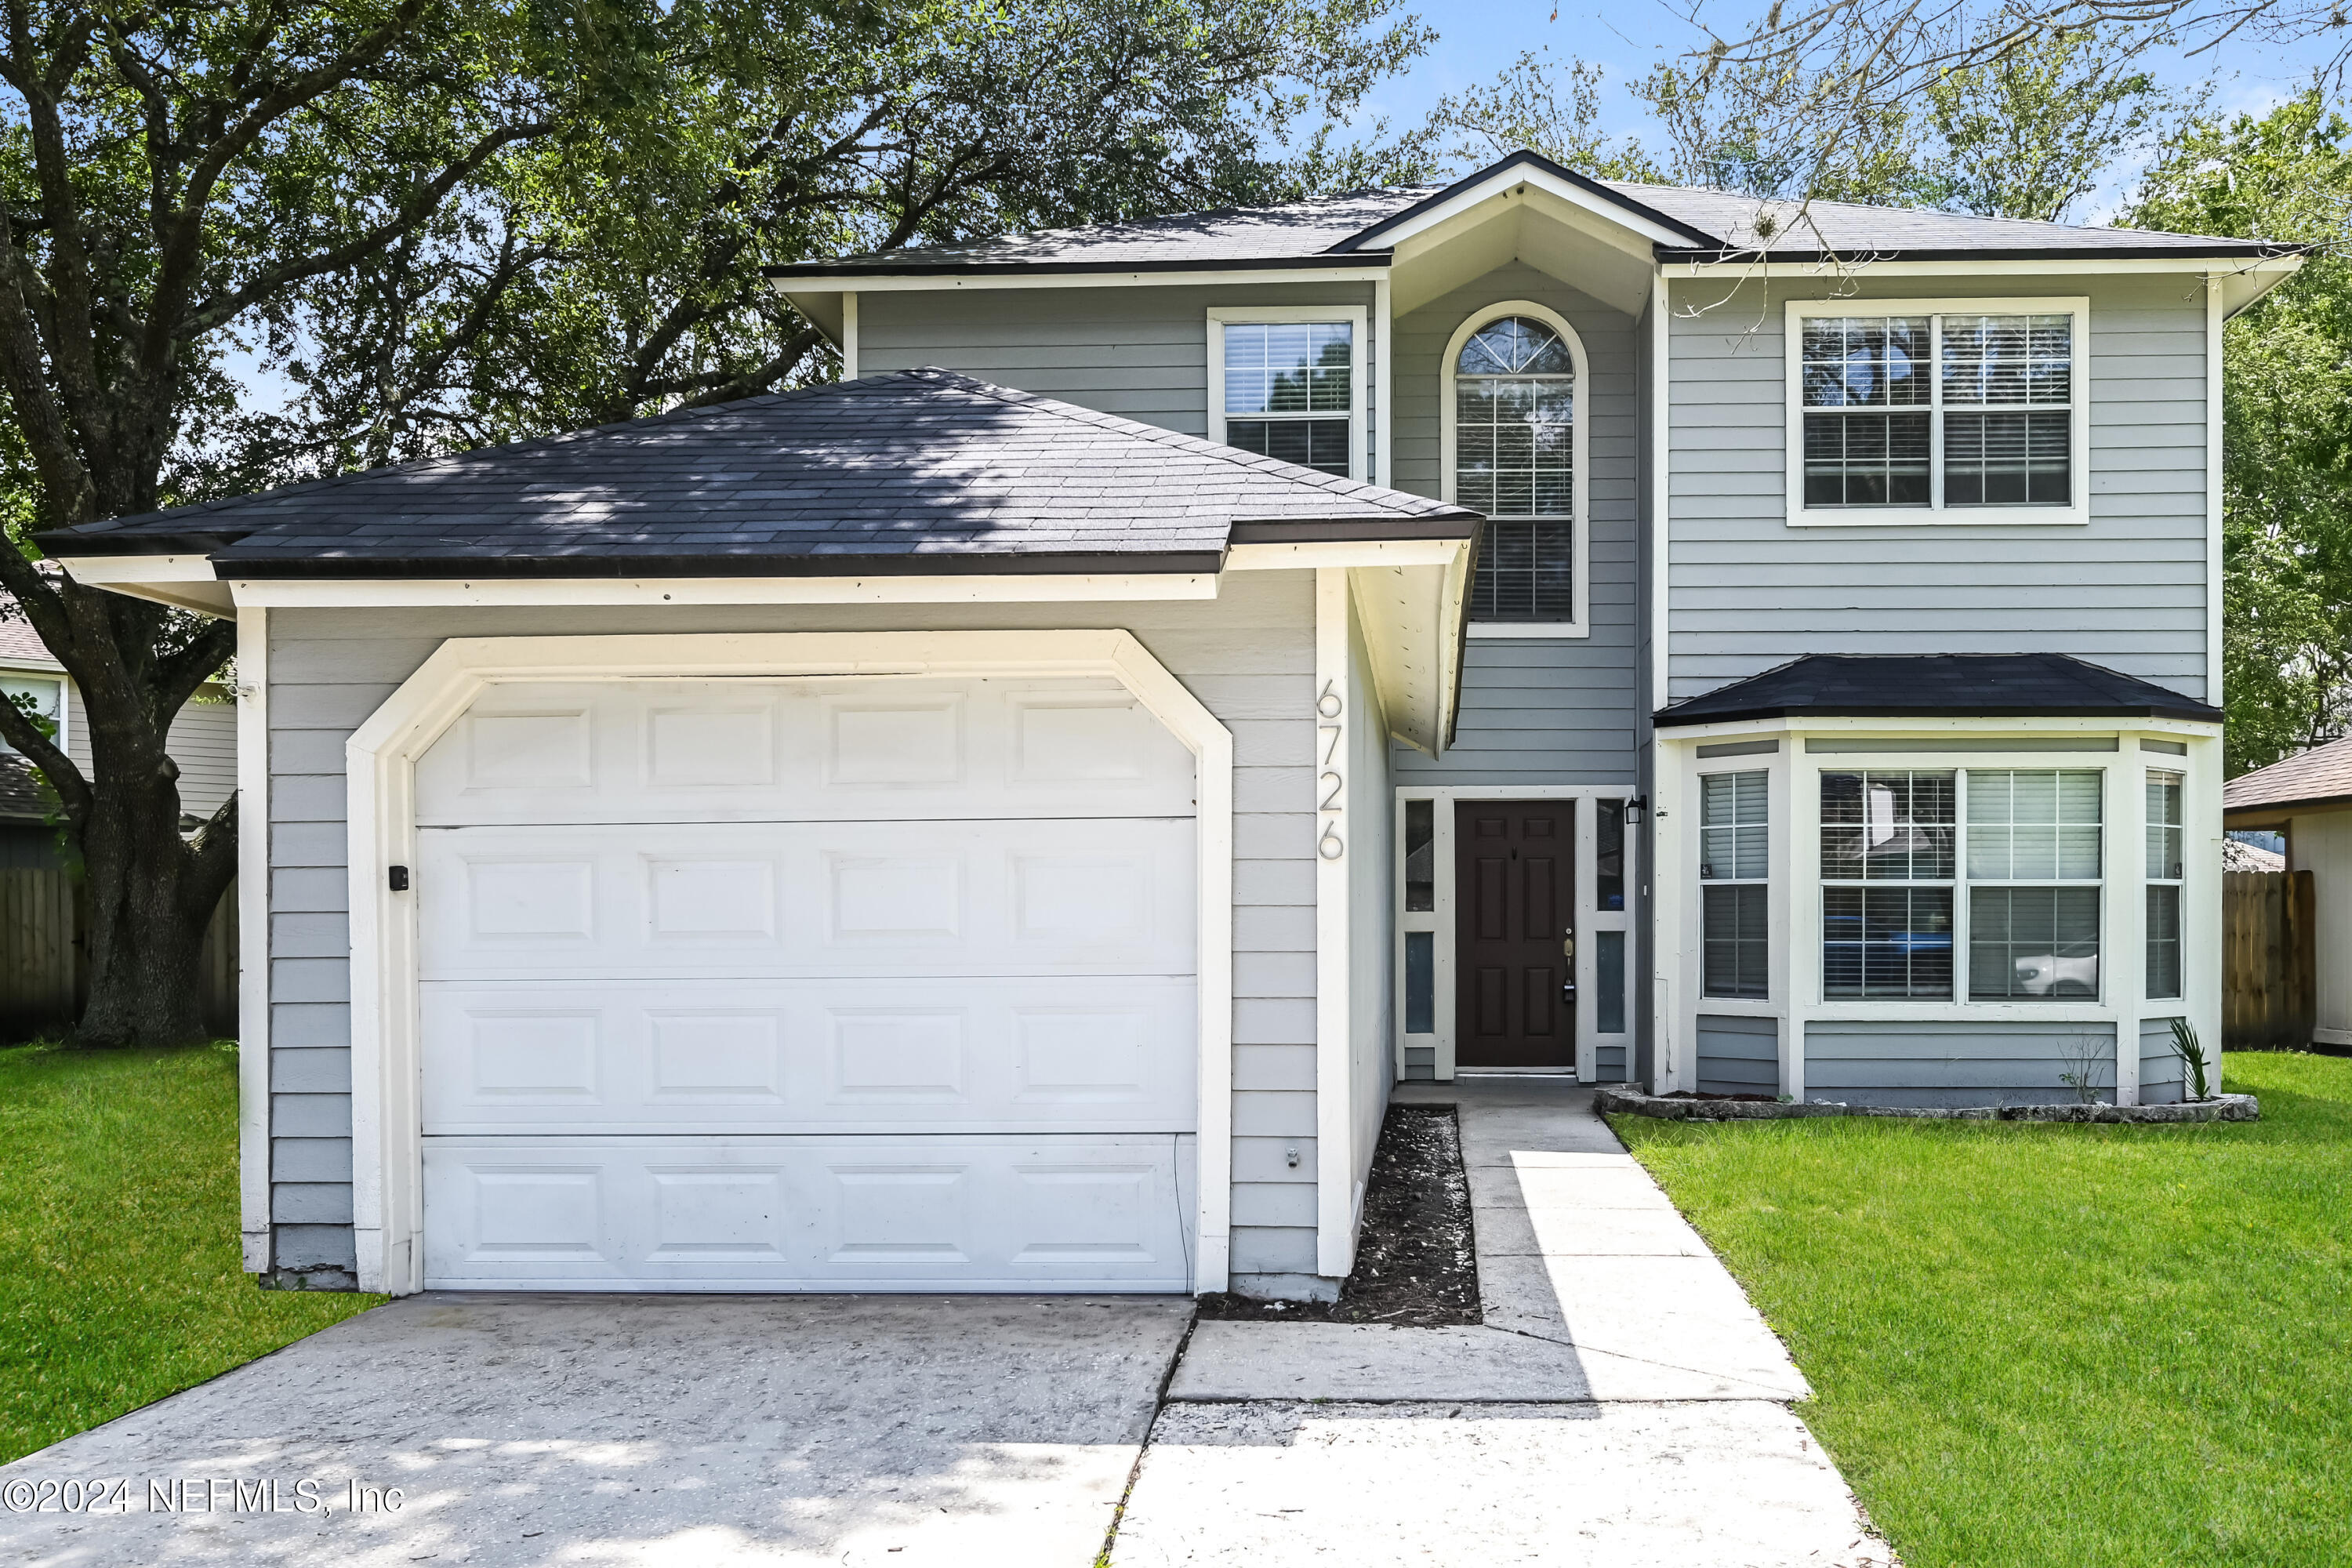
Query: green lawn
{"x":120,"y":1278}
{"x":2035,"y":1345}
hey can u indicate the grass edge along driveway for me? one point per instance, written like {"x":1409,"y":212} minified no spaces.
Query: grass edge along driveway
{"x":2039,"y":1344}
{"x":120,"y":1272}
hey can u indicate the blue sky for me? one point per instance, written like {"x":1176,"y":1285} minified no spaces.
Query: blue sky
{"x":1477,"y":38}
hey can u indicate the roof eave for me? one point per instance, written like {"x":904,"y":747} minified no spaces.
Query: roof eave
{"x":1713,"y":256}
{"x":1501,"y":170}
{"x":2184,"y":713}
{"x":890,"y":267}
{"x":258,"y":567}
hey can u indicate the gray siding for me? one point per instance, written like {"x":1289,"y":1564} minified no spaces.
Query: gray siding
{"x":1539,"y":710}
{"x":1952,"y":1063}
{"x":1247,"y":655}
{"x":2127,"y":590}
{"x":2161,"y":1075}
{"x":1138,"y":352}
{"x":1738,"y":1055}
{"x":1609,"y":1063}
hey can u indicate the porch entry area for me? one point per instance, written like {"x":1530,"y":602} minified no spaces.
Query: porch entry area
{"x":1514,"y":931}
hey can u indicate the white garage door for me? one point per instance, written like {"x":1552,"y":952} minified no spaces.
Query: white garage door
{"x":836,"y":984}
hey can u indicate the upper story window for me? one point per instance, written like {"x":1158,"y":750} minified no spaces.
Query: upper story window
{"x":1287,"y":383}
{"x":1935,"y":413}
{"x":1513,"y":453}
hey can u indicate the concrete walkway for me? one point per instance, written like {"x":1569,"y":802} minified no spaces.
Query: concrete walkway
{"x":1622,"y":1405}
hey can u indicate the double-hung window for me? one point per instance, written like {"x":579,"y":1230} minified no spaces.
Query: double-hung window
{"x":43,"y":702}
{"x":1735,"y":890}
{"x":1916,"y":862}
{"x":2033,"y":883}
{"x":1955,"y":412}
{"x":2164,"y":875}
{"x":1887,"y":865}
{"x":1287,"y":384}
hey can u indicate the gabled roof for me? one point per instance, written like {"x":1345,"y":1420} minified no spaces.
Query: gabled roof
{"x":2320,"y":776}
{"x":921,"y":470}
{"x":1354,"y":229}
{"x":1940,"y":684}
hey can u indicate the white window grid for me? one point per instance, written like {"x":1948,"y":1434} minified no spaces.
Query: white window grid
{"x":1734,"y":850}
{"x":1362,"y":369}
{"x":1938,"y":312}
{"x":2167,"y":847}
{"x":1963,"y":883}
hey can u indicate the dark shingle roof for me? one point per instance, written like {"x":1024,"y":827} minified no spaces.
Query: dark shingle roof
{"x":2321,"y":774}
{"x":921,"y":470}
{"x":22,"y":797}
{"x":1974,"y":685}
{"x":1344,"y":230}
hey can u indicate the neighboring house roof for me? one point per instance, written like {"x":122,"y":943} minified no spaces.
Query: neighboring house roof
{"x":22,"y":798}
{"x":1354,"y":228}
{"x":2238,"y":856}
{"x":1977,"y":685}
{"x":921,"y":470}
{"x":2320,"y":776}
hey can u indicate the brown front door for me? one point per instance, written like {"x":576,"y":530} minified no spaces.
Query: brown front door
{"x":1514,"y":893}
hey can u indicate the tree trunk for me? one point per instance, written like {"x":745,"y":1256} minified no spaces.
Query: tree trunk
{"x":150,"y":896}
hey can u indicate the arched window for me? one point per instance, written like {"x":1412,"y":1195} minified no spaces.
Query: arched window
{"x":1514,"y":460}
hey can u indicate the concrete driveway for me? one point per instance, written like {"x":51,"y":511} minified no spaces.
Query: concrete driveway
{"x":694,"y":1431}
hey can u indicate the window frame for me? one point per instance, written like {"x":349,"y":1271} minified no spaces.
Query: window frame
{"x":1732,"y":769}
{"x":63,"y":739}
{"x":1580,"y":449}
{"x":1357,"y":318}
{"x":2178,"y":883}
{"x":1936,"y":514}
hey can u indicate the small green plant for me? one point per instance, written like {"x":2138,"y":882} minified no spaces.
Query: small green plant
{"x":2082,"y":1054}
{"x":2192,"y":1059}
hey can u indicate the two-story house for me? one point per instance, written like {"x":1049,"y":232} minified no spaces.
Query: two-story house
{"x":1004,"y":821}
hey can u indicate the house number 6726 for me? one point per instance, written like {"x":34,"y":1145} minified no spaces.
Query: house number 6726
{"x":1329,"y":708}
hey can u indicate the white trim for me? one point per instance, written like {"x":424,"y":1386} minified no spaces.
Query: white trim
{"x":253,"y":937}
{"x":1316,"y":552}
{"x":849,"y":335}
{"x":1384,"y":410}
{"x":1936,"y":514}
{"x":2214,"y":361}
{"x":386,"y":1140}
{"x":1359,"y":433}
{"x":1580,"y":495}
{"x":917,"y":282}
{"x":1441,"y":919}
{"x":1661,"y":487}
{"x":1845,"y":267}
{"x":182,"y":582}
{"x":1334,"y":708}
{"x":1523,"y":175}
{"x":975,"y":588}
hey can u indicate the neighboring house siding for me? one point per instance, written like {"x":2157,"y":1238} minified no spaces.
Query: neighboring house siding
{"x":1539,"y":710}
{"x":2161,"y":1074}
{"x":203,"y":741}
{"x":1136,"y":351}
{"x":2127,"y":590}
{"x":1738,"y":1055}
{"x":1949,"y":1064}
{"x":1248,"y":655}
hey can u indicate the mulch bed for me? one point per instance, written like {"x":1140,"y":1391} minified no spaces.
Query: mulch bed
{"x":1416,"y":1263}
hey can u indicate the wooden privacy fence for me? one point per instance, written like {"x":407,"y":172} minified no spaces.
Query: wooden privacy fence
{"x":43,"y":963}
{"x":2270,"y":960}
